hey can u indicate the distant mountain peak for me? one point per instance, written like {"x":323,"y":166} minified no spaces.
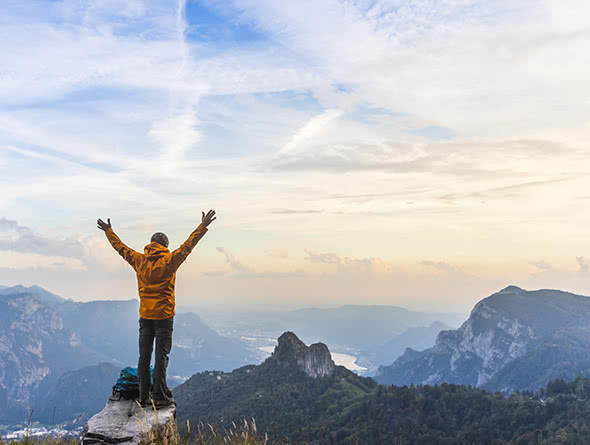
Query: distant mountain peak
{"x":35,"y":291}
{"x":512,"y":289}
{"x":315,"y":360}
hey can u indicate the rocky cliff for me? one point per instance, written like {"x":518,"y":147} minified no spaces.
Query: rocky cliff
{"x":34,"y":344}
{"x":314,"y":360}
{"x":511,"y":327}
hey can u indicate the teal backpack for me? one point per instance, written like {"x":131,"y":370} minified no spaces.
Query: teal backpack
{"x":127,"y":386}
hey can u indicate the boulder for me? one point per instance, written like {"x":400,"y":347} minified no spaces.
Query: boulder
{"x":125,"y":422}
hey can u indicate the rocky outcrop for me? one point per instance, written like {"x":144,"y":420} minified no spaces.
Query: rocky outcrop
{"x":314,"y":360}
{"x":125,"y":422}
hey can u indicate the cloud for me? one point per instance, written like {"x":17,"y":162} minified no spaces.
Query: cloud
{"x":176,"y":135}
{"x":342,"y":156}
{"x":325,"y":258}
{"x":429,"y":126}
{"x":19,"y":238}
{"x":463,"y":65}
{"x":232,"y":261}
{"x":584,"y":264}
{"x":439,"y":265}
{"x":35,"y":262}
{"x":551,"y":276}
{"x":347,"y":264}
{"x":507,"y":191}
{"x":309,"y":130}
{"x":459,"y":157}
{"x":542,"y":265}
{"x":28,"y":249}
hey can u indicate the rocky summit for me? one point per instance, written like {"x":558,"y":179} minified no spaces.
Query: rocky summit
{"x":314,"y":360}
{"x":513,"y":340}
{"x":289,"y":394}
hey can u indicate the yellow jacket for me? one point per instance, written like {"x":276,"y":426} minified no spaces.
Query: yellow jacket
{"x":156,"y":272}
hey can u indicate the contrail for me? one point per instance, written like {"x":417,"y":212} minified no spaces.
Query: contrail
{"x":177,"y":133}
{"x":181,"y":26}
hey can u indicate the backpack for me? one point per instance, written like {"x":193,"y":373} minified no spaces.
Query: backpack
{"x":127,"y":386}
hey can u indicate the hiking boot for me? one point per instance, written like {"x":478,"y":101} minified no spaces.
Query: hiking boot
{"x":144,"y":403}
{"x":163,"y":403}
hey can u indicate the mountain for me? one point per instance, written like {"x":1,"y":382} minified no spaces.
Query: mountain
{"x":298,"y":396}
{"x":418,"y":338}
{"x":34,"y":344}
{"x":513,"y":340}
{"x":197,"y":347}
{"x":374,"y":334}
{"x":287,"y":394}
{"x":38,"y":292}
{"x":111,"y":329}
{"x":42,"y":336}
{"x":75,"y":396}
{"x":372,"y":324}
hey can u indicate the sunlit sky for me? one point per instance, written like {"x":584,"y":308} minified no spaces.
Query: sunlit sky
{"x":419,"y":153}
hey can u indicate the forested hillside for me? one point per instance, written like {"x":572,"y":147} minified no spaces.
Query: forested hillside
{"x":298,"y":395}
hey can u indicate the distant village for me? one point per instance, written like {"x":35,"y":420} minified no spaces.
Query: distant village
{"x":38,"y":431}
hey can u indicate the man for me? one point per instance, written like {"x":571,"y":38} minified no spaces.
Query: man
{"x":156,"y":274}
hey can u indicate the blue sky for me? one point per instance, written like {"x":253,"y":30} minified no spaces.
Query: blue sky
{"x":421,"y":153}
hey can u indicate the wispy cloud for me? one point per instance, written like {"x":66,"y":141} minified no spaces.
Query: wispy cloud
{"x":232,"y":261}
{"x":347,"y":264}
{"x":547,"y":275}
{"x":306,"y":133}
{"x":19,"y":238}
{"x":418,"y":128}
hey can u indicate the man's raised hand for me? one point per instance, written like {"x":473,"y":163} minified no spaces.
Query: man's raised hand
{"x":208,"y":218}
{"x":103,"y":225}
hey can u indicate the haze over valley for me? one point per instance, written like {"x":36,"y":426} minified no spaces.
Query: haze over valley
{"x":512,"y":340}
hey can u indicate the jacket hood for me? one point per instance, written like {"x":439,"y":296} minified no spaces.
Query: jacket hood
{"x":155,"y":250}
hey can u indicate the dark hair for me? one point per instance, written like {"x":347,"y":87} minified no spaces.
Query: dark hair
{"x":160,"y":238}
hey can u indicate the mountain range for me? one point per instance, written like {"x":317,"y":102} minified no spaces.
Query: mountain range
{"x":374,"y":334}
{"x":513,"y":340}
{"x":298,"y":395}
{"x":43,"y":336}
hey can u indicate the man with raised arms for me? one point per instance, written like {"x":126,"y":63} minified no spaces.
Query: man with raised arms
{"x":156,"y":274}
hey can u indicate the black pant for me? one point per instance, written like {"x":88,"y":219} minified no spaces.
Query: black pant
{"x":161,"y":330}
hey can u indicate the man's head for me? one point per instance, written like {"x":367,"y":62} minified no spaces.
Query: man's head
{"x":160,"y":238}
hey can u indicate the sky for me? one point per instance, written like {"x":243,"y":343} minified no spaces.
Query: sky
{"x":421,"y":153}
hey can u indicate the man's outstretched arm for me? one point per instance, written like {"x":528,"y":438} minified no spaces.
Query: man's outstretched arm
{"x":128,"y":254}
{"x":180,"y":254}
